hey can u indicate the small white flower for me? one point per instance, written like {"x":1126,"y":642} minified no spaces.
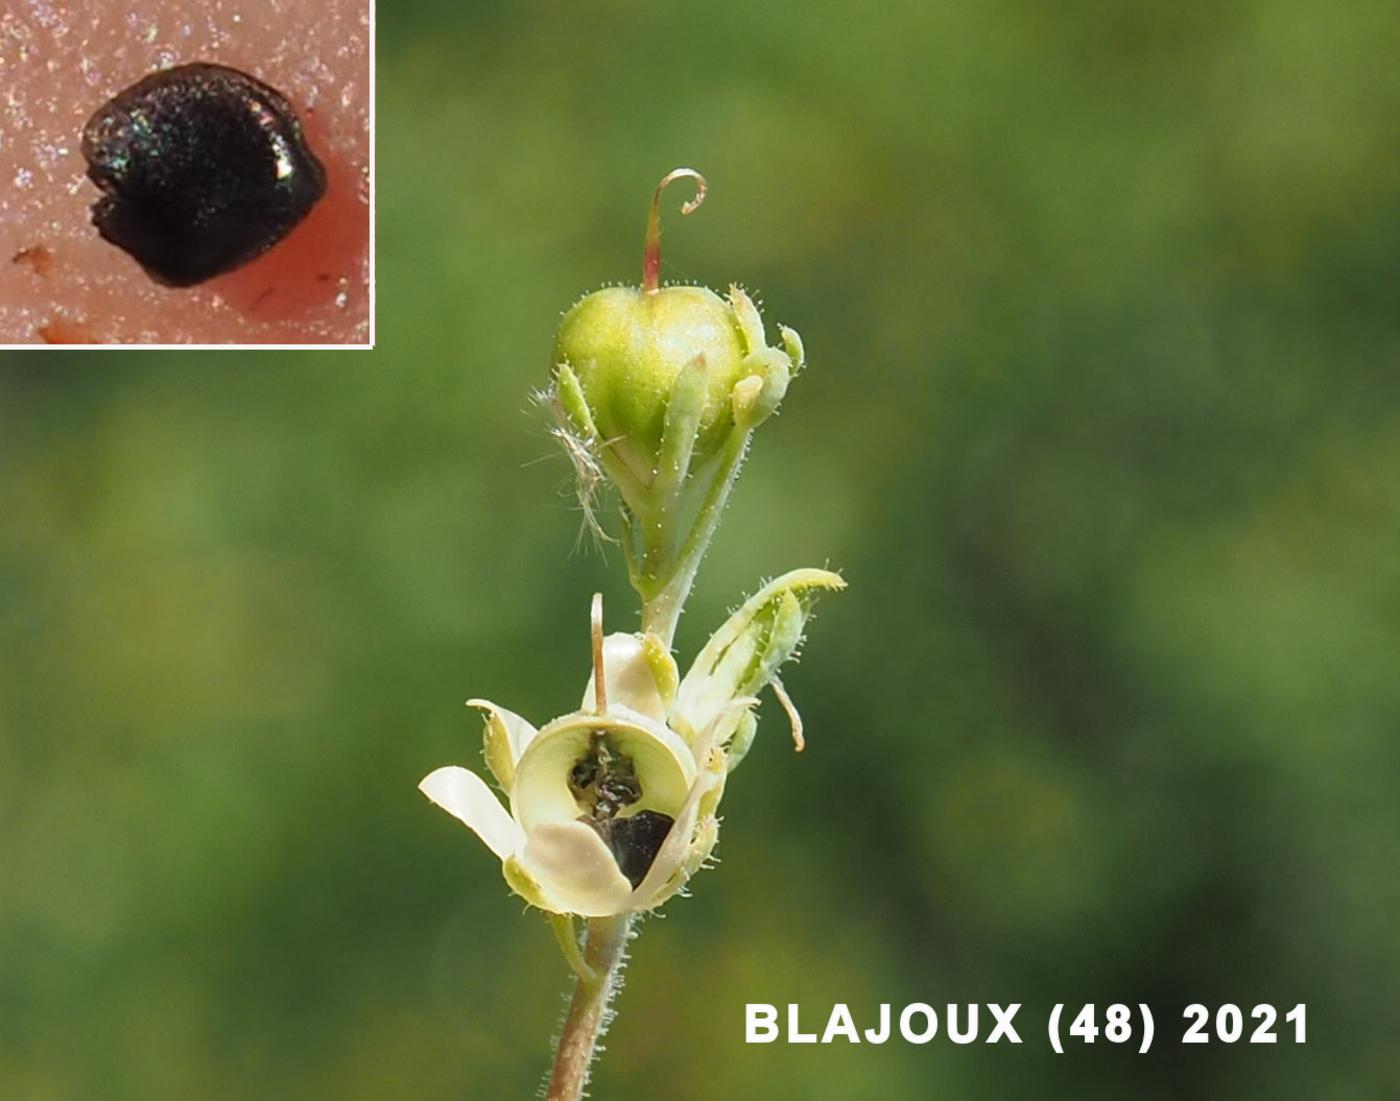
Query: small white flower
{"x":612,"y":807}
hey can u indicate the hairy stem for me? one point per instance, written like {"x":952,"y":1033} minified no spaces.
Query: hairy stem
{"x":604,"y":949}
{"x":662,"y":612}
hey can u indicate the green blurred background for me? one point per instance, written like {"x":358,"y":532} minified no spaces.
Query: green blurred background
{"x":1101,"y":423}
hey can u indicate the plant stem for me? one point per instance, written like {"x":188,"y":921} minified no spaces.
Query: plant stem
{"x":589,"y":1011}
{"x":660,"y":616}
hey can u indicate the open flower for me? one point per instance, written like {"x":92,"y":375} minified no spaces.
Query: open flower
{"x":612,"y":807}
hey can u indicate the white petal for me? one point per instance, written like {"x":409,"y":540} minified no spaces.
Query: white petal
{"x":575,"y":869}
{"x":629,"y":678}
{"x":465,"y":796}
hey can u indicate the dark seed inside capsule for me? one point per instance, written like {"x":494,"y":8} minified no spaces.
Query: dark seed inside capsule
{"x":202,"y":169}
{"x":635,"y":841}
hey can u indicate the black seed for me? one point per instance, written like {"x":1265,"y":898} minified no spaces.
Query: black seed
{"x":635,"y":841}
{"x":202,"y":168}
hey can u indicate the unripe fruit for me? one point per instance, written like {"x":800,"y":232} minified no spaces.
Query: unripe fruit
{"x":627,"y":346}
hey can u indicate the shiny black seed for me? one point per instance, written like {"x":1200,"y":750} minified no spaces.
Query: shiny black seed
{"x":202,"y":168}
{"x":635,"y":841}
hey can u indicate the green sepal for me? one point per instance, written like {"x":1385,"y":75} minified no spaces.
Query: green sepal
{"x":524,"y":884}
{"x":742,"y":741}
{"x":663,"y":668}
{"x":683,"y":413}
{"x":568,"y":391}
{"x":495,"y":747}
{"x":762,"y":390}
{"x":749,"y":319}
{"x":719,"y":768}
{"x":500,"y":745}
{"x":792,"y":344}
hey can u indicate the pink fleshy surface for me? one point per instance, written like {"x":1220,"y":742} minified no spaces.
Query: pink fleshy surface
{"x":62,"y":59}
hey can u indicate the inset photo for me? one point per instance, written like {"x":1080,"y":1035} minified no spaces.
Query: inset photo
{"x":187,"y":172}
